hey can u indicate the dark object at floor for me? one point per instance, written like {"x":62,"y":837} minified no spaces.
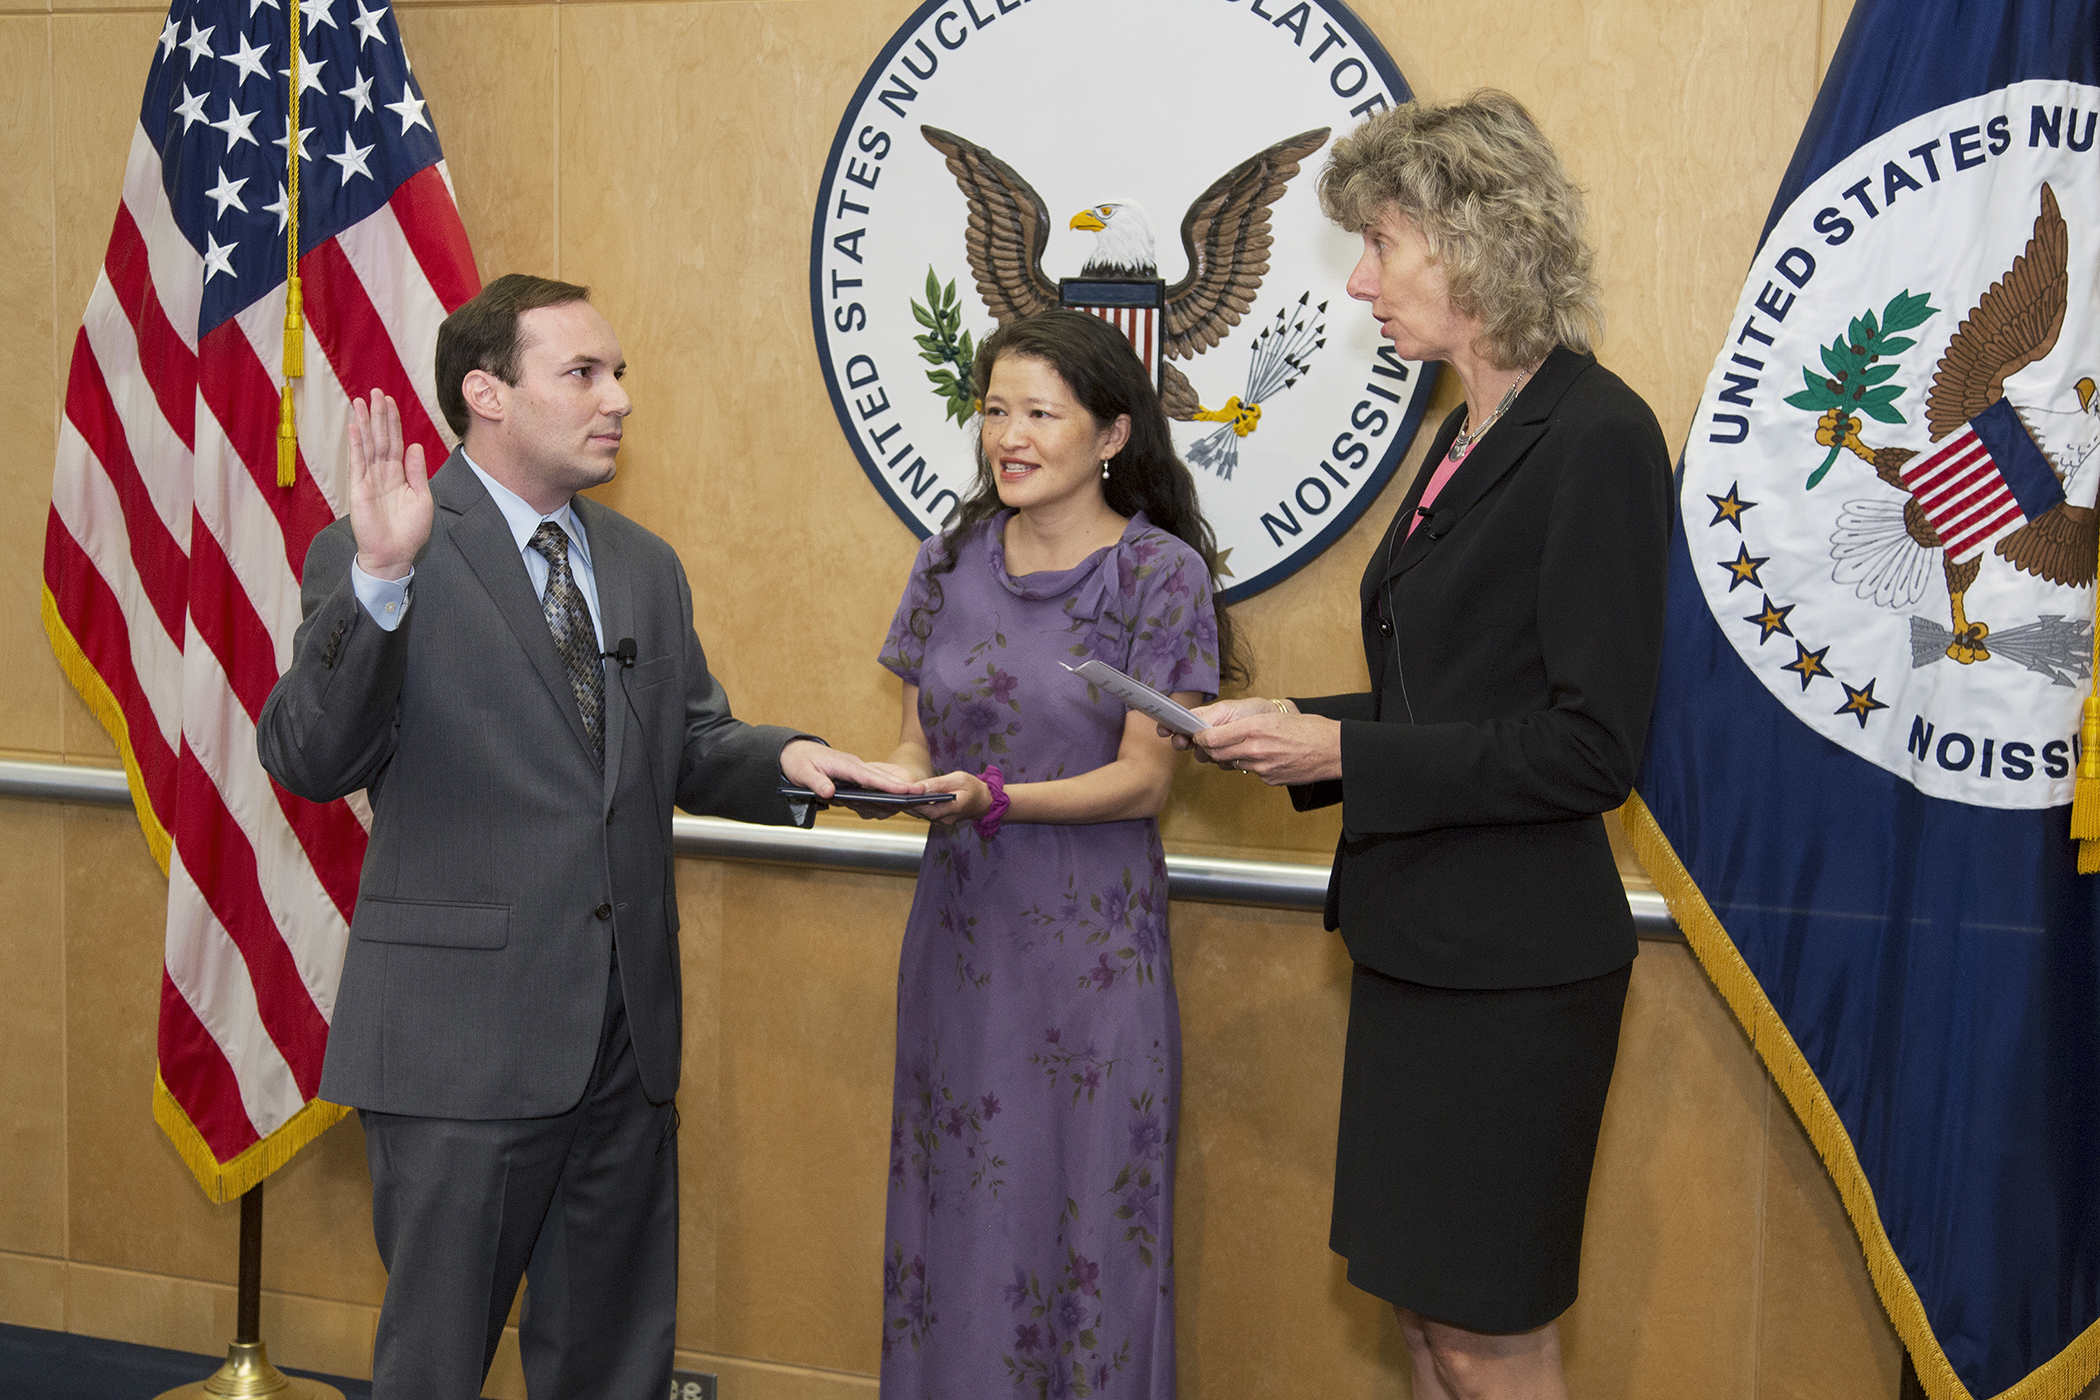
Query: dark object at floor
{"x":40,"y":1365}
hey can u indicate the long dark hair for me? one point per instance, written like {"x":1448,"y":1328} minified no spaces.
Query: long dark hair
{"x":1105,"y":375}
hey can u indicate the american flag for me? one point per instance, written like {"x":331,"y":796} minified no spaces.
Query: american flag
{"x":172,"y":554}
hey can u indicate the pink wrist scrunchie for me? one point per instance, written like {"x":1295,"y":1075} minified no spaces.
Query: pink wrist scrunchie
{"x":988,"y":824}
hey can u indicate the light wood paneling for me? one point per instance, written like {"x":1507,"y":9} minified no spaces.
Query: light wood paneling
{"x":98,"y":66}
{"x":1835,"y":14}
{"x":1669,"y":1261}
{"x":805,"y":1116}
{"x":130,"y":1202}
{"x":489,"y":74}
{"x":694,"y":228}
{"x":156,"y":1310}
{"x":33,"y":1032}
{"x":1821,"y":1330}
{"x":317,"y":1224}
{"x":186,"y":1314}
{"x":702,"y":1152}
{"x":1262,"y":1305}
{"x":158,"y":14}
{"x":33,"y":1291}
{"x":31,"y":691}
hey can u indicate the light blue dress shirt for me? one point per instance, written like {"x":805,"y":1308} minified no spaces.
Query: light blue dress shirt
{"x":386,"y":600}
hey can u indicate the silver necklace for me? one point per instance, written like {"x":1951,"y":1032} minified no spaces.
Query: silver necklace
{"x":1465,"y":440}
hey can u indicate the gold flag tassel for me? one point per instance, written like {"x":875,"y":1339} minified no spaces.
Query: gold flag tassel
{"x":2085,"y":798}
{"x":294,"y":322}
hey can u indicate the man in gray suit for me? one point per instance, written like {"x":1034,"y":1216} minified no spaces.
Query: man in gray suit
{"x":510,"y":670}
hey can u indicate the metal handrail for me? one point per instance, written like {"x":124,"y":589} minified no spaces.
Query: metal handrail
{"x":1267,"y":884}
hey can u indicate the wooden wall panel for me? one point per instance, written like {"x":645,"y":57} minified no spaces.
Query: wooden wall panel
{"x":697,"y":239}
{"x":489,"y":73}
{"x":29,"y":375}
{"x":130,"y":1202}
{"x":33,"y":1032}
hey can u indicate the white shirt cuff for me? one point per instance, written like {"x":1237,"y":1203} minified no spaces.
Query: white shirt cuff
{"x":385,"y":600}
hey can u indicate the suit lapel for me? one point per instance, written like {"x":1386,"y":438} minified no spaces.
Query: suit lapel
{"x":479,"y":533}
{"x":1495,"y":456}
{"x":615,"y":583}
{"x":1384,"y":563}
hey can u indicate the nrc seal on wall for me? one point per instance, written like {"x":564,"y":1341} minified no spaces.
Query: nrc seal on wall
{"x":1900,"y":445}
{"x":1148,"y":161}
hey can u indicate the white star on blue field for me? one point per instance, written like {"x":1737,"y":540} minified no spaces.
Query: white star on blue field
{"x":215,"y":107}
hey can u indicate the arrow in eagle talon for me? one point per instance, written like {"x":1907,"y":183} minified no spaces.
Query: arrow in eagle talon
{"x":1244,"y":418}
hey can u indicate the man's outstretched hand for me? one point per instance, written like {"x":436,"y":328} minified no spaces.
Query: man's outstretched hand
{"x":806,"y":763}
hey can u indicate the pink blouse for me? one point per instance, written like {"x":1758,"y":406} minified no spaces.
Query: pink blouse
{"x":1437,"y":479}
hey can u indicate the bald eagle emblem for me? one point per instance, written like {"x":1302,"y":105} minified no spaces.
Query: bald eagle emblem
{"x":1997,"y":477}
{"x":1225,"y":237}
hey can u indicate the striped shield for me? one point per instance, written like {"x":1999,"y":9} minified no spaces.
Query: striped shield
{"x":1983,"y":482}
{"x":1135,"y":306}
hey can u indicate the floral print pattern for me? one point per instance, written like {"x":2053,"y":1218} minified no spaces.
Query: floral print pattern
{"x":1038,"y":1038}
{"x":933,"y":1112}
{"x":1060,"y":1349}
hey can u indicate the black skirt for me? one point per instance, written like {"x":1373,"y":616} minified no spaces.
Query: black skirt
{"x":1469,"y":1127}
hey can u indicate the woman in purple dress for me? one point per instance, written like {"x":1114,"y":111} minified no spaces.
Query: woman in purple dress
{"x":1029,"y":1244}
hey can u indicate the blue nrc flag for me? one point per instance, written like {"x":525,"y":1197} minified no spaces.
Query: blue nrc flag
{"x":1857,"y":792}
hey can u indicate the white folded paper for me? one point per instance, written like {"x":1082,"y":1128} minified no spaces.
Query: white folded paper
{"x":1136,"y":695}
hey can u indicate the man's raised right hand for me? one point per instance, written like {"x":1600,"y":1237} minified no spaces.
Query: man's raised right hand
{"x":390,"y":506}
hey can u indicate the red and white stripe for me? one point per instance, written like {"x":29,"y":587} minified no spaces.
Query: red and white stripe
{"x":1139,"y":325}
{"x":1964,"y":495}
{"x":172,"y":562}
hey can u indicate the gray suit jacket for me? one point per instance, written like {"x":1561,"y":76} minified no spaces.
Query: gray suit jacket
{"x":504,"y":867}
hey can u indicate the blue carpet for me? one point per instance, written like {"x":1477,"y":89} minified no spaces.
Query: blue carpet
{"x":40,"y":1365}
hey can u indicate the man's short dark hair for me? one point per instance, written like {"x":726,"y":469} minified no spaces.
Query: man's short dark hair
{"x":483,"y":335}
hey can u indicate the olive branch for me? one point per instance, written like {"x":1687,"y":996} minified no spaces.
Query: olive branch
{"x":947,"y":345}
{"x":1856,"y":380}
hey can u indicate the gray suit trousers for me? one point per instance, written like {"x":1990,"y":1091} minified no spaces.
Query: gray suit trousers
{"x":583,"y":1204}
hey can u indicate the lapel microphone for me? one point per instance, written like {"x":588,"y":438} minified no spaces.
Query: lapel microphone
{"x":1429,"y":526}
{"x":623,"y":653}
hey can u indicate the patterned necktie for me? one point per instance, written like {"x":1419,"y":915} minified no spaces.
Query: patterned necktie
{"x":569,"y":619}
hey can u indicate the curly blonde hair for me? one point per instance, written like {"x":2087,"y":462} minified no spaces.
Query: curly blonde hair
{"x":1500,"y":215}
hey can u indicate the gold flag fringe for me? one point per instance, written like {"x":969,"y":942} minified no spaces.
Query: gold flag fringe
{"x":221,"y":1181}
{"x":2065,"y":1375}
{"x":103,"y":705}
{"x":228,"y":1181}
{"x":2085,"y":793}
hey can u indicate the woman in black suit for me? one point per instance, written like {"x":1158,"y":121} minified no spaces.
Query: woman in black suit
{"x":1512,"y":621}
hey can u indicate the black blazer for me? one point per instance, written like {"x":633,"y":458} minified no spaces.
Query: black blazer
{"x":1509,"y":704}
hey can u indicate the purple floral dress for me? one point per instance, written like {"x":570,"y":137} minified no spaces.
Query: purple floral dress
{"x":1029,"y":1246}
